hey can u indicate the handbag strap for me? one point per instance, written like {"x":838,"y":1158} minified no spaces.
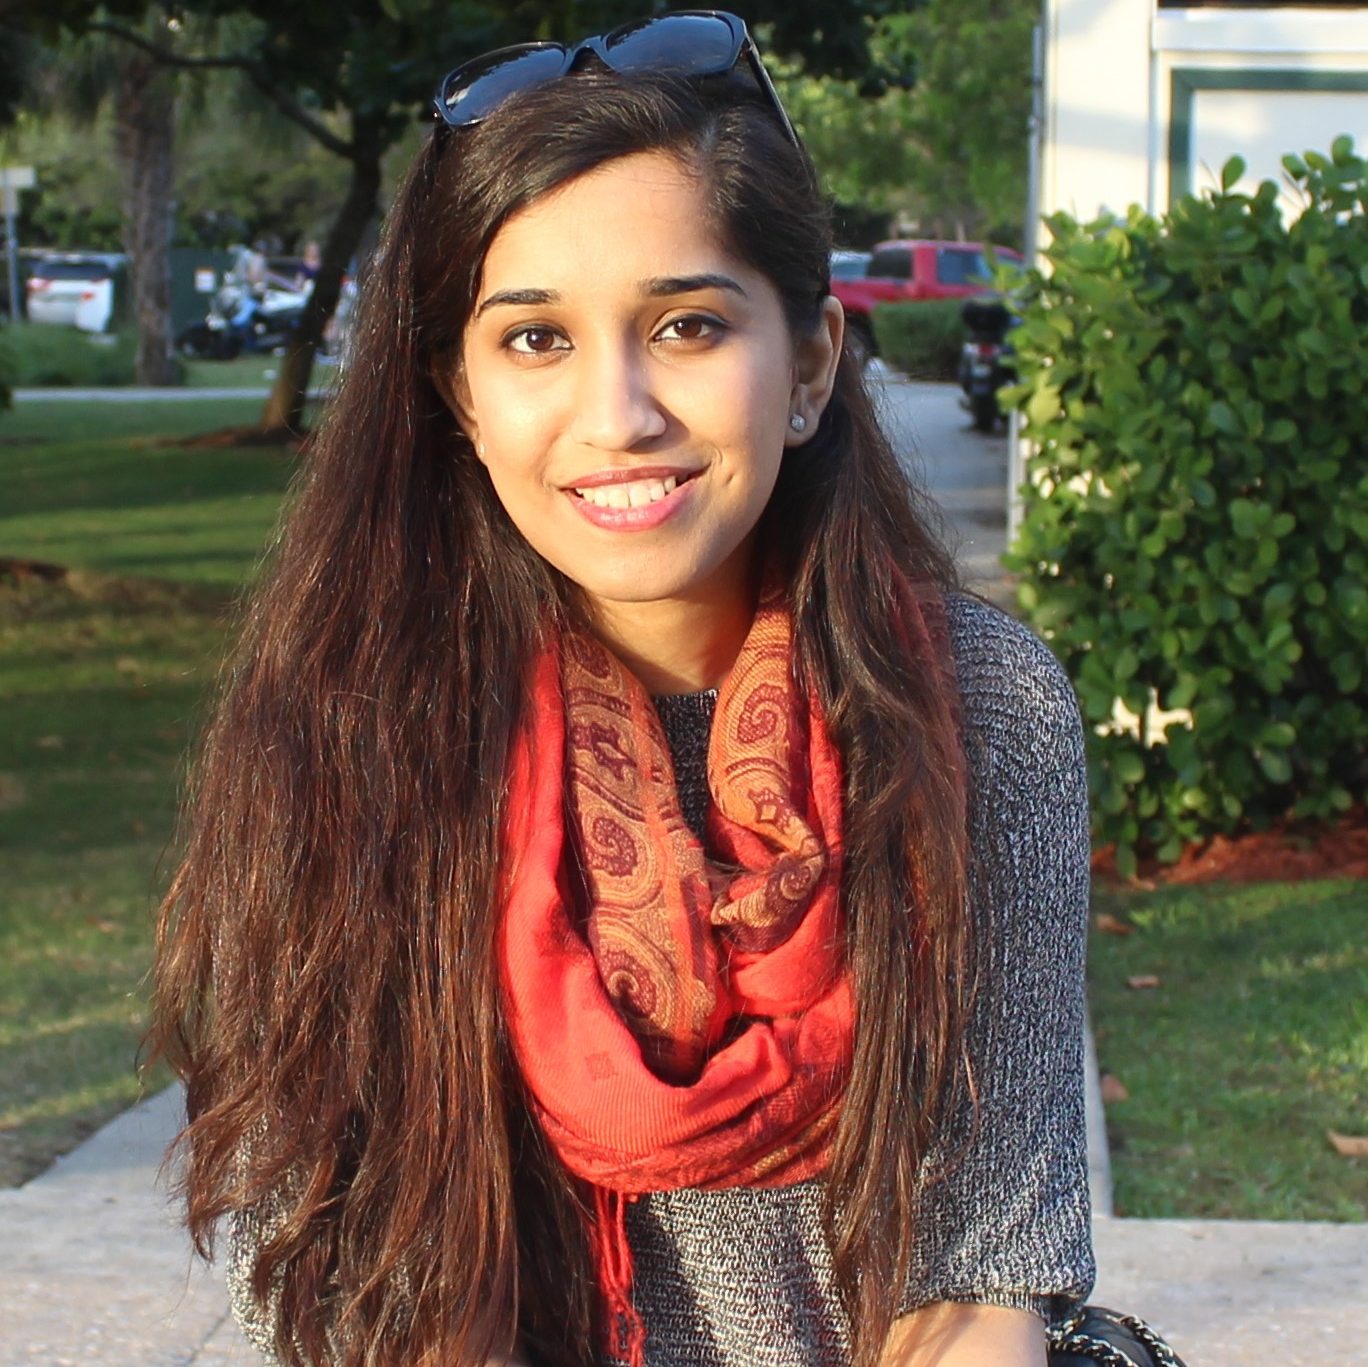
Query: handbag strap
{"x":1077,"y":1334}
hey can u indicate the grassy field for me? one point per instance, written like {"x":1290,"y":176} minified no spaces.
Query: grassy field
{"x":104,"y":491}
{"x":247,"y":372}
{"x":1253,"y":1046}
{"x":51,"y":356}
{"x":102,"y":678}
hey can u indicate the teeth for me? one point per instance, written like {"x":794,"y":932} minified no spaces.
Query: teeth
{"x":637,"y":494}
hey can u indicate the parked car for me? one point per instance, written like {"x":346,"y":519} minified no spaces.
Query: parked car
{"x":912,"y":269}
{"x":74,"y":289}
{"x":849,"y":265}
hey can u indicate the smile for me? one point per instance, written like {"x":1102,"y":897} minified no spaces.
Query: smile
{"x":615,"y":501}
{"x":637,"y":494}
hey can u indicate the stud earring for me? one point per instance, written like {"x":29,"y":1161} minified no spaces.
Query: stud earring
{"x":798,"y":422}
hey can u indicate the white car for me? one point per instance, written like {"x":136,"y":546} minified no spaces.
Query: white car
{"x":849,"y":265}
{"x":76,"y":290}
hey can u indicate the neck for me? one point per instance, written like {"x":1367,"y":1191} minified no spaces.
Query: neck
{"x":678,"y":645}
{"x":673,"y":647}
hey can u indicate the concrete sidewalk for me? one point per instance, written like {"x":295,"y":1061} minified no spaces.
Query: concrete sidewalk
{"x":95,"y":1273}
{"x":94,"y":1270}
{"x":132,"y":394}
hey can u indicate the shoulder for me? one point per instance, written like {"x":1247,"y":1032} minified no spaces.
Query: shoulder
{"x":1003,"y":669}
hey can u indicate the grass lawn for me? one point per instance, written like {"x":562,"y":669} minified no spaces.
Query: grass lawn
{"x":94,"y":485}
{"x":1254,"y":1045}
{"x":101,"y":681}
{"x":248,"y":372}
{"x":57,"y":357}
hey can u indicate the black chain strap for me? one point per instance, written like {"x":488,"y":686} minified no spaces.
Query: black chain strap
{"x":1070,"y":1336}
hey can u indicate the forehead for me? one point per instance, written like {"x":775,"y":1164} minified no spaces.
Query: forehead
{"x":640,"y":215}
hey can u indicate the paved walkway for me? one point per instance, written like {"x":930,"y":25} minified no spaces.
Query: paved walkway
{"x":94,"y":1272}
{"x":130,"y":394}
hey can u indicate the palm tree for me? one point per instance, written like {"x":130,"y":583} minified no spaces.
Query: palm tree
{"x":145,"y":123}
{"x":76,"y":76}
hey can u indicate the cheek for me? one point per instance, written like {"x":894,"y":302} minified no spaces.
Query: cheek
{"x":513,"y":433}
{"x":750,"y":410}
{"x":767,"y":420}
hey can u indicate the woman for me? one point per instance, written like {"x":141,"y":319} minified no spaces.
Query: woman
{"x":633,"y":906}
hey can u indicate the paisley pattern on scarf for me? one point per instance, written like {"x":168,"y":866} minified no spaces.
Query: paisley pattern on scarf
{"x":681,"y":1017}
{"x":663,"y":921}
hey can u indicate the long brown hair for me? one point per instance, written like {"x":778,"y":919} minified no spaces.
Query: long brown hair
{"x":326,"y":979}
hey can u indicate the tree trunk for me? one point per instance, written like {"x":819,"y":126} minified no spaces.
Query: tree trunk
{"x":285,"y":406}
{"x":145,"y":105}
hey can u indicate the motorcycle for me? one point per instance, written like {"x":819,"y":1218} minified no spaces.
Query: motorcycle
{"x":985,"y":360}
{"x":244,"y":316}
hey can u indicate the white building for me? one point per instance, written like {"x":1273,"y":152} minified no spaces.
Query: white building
{"x":1145,"y":100}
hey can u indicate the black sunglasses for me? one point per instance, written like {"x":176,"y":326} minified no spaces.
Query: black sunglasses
{"x":689,"y":42}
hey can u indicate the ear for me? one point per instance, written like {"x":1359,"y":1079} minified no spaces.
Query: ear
{"x":449,"y":377}
{"x":815,"y":358}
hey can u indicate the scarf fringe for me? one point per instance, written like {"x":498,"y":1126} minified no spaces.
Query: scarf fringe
{"x":613,"y":1265}
{"x":620,"y":994}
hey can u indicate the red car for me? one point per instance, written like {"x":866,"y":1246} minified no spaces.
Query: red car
{"x":913,"y":269}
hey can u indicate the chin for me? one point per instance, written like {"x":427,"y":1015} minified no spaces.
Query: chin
{"x":634,"y":590}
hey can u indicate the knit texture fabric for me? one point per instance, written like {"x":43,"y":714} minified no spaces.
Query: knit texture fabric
{"x":743,"y":1278}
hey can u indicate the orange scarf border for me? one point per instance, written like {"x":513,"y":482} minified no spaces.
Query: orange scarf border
{"x":680,"y":1019}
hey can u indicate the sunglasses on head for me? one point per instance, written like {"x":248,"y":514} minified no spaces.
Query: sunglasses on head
{"x":687,"y":42}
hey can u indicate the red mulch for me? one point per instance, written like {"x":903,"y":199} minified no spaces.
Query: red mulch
{"x":1288,"y":852}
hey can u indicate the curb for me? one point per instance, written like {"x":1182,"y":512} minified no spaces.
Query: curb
{"x":1099,"y":1157}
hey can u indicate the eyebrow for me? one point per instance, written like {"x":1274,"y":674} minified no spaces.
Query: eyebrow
{"x":659,"y":287}
{"x":664,"y":286}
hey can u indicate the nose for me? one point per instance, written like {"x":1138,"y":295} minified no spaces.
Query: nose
{"x":615,"y":406}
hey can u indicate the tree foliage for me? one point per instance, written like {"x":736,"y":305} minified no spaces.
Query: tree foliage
{"x":970,"y":119}
{"x":355,"y":74}
{"x":933,"y":131}
{"x":859,"y":141}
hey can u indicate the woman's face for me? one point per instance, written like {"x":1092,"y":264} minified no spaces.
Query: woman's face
{"x":628,"y":383}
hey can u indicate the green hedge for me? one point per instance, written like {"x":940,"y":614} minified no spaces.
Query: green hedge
{"x":922,"y":340}
{"x":1197,"y":513}
{"x":46,"y":354}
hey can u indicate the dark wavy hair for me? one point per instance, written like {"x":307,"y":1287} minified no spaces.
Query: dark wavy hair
{"x":326,"y":978}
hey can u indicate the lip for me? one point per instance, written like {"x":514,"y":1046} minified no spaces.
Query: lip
{"x":629,"y":474}
{"x":633,"y":519}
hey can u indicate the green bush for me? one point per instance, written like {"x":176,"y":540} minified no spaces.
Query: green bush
{"x":46,"y":354}
{"x":1196,"y":517}
{"x":922,"y":340}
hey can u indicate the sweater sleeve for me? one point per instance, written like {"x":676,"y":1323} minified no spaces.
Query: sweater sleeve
{"x":1008,"y":1222}
{"x":245,"y":1234}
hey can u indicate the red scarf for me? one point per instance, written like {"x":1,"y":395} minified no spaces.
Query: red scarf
{"x":681,"y":1019}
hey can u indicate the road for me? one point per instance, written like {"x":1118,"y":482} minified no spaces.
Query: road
{"x":964,"y":471}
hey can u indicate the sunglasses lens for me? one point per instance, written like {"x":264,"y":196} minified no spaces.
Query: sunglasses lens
{"x":694,"y":44}
{"x":474,"y":91}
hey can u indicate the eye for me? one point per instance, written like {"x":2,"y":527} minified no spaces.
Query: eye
{"x":692,"y":327}
{"x":533,"y":341}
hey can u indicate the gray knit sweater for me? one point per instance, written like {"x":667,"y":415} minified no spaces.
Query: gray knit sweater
{"x":743,"y":1278}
